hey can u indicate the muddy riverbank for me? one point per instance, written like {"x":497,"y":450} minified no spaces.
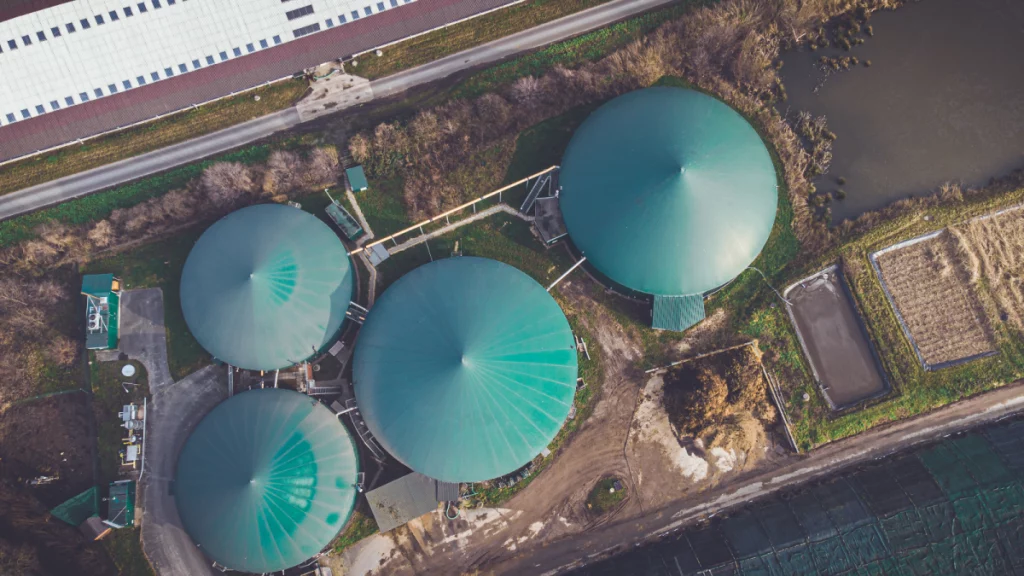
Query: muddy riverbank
{"x":942,"y":100}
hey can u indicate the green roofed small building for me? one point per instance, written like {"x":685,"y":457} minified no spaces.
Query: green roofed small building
{"x":266,"y":481}
{"x":356,"y":179}
{"x":121,"y":504}
{"x":668,"y":192}
{"x":465,"y":369}
{"x":266,"y":287}
{"x":102,"y":310}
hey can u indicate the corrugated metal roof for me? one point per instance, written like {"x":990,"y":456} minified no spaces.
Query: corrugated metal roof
{"x":348,"y":225}
{"x":266,"y":480}
{"x":447,"y":491}
{"x":465,"y":369}
{"x":247,"y":71}
{"x":266,"y":287}
{"x":677,"y":312}
{"x":402,"y":500}
{"x":668,"y":191}
{"x":97,"y":285}
{"x":356,"y":179}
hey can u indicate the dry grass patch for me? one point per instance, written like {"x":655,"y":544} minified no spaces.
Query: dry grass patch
{"x":992,"y":250}
{"x":934,"y":295}
{"x":150,"y":136}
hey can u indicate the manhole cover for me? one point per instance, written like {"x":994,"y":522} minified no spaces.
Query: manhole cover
{"x":128,"y":371}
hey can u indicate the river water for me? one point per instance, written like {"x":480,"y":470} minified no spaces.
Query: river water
{"x":943,"y":100}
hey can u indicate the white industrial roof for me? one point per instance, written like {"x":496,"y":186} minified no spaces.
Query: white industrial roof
{"x":88,"y":49}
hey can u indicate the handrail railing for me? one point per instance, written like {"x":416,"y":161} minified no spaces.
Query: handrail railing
{"x":458,"y":208}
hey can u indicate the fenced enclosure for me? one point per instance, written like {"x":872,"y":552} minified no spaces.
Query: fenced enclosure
{"x":955,"y":507}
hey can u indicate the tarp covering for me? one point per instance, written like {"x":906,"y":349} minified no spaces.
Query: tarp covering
{"x":266,"y":287}
{"x":266,"y":480}
{"x":76,"y":509}
{"x":465,"y":369}
{"x":668,"y":191}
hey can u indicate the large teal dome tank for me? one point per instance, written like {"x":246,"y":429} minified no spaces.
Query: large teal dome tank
{"x":668,"y":191}
{"x":266,"y":287}
{"x":266,"y":480}
{"x":465,"y":369}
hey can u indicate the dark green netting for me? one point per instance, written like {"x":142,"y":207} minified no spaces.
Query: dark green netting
{"x":710,"y":547}
{"x":939,"y":520}
{"x":911,"y":475}
{"x":796,"y":560}
{"x":865,"y":544}
{"x":874,"y":486}
{"x":812,"y":517}
{"x":981,"y":459}
{"x":780,"y":524}
{"x":745,"y":535}
{"x":888,"y":518}
{"x":830,"y":555}
{"x":949,"y":472}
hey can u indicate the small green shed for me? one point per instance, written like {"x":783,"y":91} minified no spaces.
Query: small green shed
{"x":356,"y":179}
{"x":102,"y":310}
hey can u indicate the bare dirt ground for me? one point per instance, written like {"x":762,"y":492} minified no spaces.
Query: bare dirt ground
{"x":48,"y":437}
{"x":935,"y":297}
{"x":992,"y":250}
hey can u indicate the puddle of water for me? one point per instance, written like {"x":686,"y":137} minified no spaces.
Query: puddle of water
{"x":942,"y":101}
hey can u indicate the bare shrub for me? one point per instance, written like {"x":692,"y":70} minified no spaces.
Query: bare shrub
{"x":101,"y":234}
{"x":225,"y":183}
{"x":280,"y":173}
{"x":322,"y":168}
{"x":62,"y":351}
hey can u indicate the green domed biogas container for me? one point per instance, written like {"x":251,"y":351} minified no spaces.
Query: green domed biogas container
{"x":266,"y":480}
{"x":266,"y":287}
{"x":668,"y":191}
{"x":465,"y":369}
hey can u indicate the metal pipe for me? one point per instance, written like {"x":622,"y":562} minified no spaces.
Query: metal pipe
{"x":567,"y":272}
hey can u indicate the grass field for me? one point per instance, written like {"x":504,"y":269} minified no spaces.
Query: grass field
{"x":361,"y":525}
{"x":123,"y":546}
{"x":98,"y":206}
{"x":158,"y":265}
{"x":591,"y":46}
{"x":150,"y":136}
{"x":604,"y":497}
{"x":457,"y":37}
{"x":936,"y":300}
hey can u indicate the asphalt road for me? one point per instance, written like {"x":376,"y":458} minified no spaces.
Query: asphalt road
{"x":563,"y":555}
{"x":97,"y":179}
